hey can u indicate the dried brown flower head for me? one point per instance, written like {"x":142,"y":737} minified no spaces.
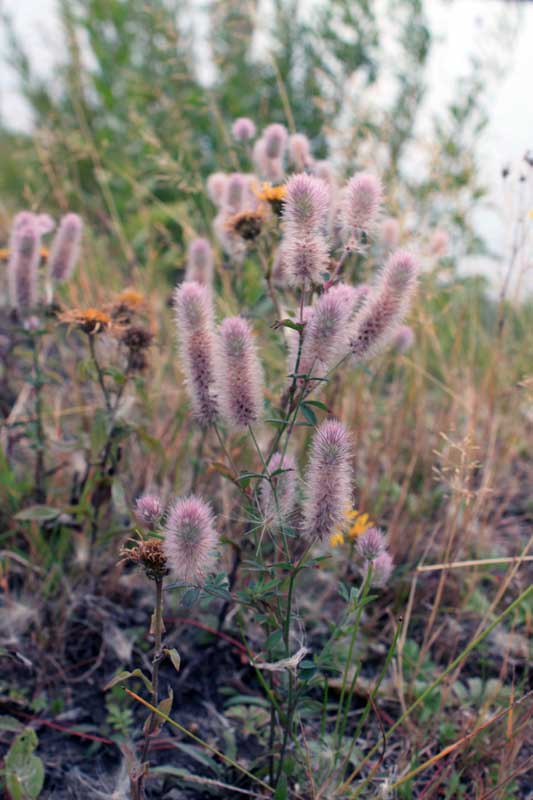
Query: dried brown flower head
{"x":148,"y":554}
{"x":246,"y":224}
{"x":136,"y":338}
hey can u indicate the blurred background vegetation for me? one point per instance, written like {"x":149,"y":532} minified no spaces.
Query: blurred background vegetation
{"x":138,"y":109}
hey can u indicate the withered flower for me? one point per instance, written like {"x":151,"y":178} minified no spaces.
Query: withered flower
{"x":136,"y":338}
{"x":149,"y":555}
{"x":246,"y":224}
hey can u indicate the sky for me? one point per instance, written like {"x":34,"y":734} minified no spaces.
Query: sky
{"x":461,"y":27}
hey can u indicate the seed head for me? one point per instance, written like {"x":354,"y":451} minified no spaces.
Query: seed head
{"x":65,"y":248}
{"x":243,"y":129}
{"x":196,"y":333}
{"x":239,"y":374}
{"x":328,"y":480}
{"x":191,"y":540}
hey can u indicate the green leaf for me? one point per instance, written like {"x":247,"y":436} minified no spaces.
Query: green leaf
{"x":317,"y":404}
{"x":174,"y":657}
{"x":24,"y":772}
{"x":10,"y":724}
{"x":125,"y":676}
{"x":288,"y":323}
{"x":38,"y":514}
{"x":309,"y":414}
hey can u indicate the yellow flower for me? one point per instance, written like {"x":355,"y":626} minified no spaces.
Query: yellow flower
{"x":358,"y":523}
{"x":131,"y":297}
{"x":274,"y":195}
{"x":5,"y":253}
{"x":530,"y":215}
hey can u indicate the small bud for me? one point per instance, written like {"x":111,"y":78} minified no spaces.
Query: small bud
{"x":390,"y":233}
{"x":439,"y":243}
{"x":371,"y":544}
{"x":382,"y":568}
{"x":148,"y":510}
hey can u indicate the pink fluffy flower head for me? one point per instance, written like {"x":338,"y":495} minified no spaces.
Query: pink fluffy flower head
{"x":305,"y":258}
{"x":196,"y":332}
{"x":24,"y":246}
{"x":390,"y":233}
{"x":191,"y":540}
{"x":216,"y":186}
{"x":148,"y":510}
{"x":439,"y":243}
{"x":376,"y":325}
{"x":328,"y":480}
{"x":269,"y":168}
{"x":360,"y":204}
{"x":65,"y":248}
{"x":382,"y":568}
{"x":200,"y":262}
{"x":306,"y":204}
{"x":325,"y":337}
{"x":275,"y":138}
{"x":46,"y":223}
{"x":404,"y":338}
{"x":235,"y":192}
{"x":243,"y":129}
{"x":324,"y":171}
{"x":371,"y":544}
{"x":300,"y":151}
{"x":240,"y":380}
{"x":277,"y":508}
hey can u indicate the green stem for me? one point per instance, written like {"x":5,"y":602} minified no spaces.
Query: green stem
{"x":39,"y":489}
{"x":342,"y":711}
